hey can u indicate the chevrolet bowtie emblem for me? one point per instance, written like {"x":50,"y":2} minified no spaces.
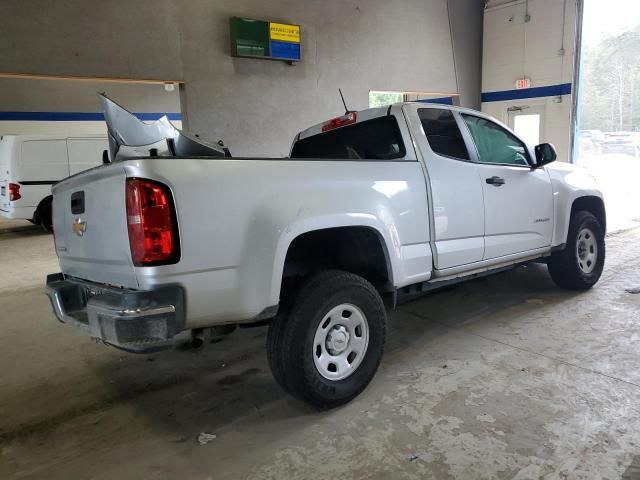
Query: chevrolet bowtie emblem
{"x":79,"y":227}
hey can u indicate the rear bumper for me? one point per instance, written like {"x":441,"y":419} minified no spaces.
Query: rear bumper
{"x":18,"y":213}
{"x":132,"y":320}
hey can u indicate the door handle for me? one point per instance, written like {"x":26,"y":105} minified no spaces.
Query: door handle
{"x":495,"y":181}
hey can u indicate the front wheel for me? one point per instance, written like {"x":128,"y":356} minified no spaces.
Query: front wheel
{"x":327,"y":350}
{"x":579,"y":265}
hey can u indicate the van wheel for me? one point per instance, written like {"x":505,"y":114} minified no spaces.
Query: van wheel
{"x":329,"y":347}
{"x":579,"y":265}
{"x":44,"y":214}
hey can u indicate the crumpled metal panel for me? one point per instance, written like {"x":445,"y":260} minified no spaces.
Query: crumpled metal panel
{"x":131,"y":137}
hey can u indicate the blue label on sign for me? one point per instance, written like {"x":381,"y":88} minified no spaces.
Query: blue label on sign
{"x":285,"y":50}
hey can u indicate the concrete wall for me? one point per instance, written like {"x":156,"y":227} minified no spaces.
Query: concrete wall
{"x":256,"y":106}
{"x":514,"y":48}
{"x":466,"y":19}
{"x":101,"y":38}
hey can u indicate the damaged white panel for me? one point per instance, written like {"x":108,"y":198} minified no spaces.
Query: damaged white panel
{"x":131,"y":137}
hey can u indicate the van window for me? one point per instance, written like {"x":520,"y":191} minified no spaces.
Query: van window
{"x":442,"y":133}
{"x":376,"y":139}
{"x":43,"y":161}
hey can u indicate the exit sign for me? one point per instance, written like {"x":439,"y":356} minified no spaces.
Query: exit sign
{"x":267,"y":40}
{"x":523,"y":83}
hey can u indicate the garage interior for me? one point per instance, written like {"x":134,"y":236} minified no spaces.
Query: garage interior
{"x":505,"y":376}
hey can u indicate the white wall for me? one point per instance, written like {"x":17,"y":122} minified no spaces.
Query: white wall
{"x":57,"y":127}
{"x":513,"y":49}
{"x":36,"y":98}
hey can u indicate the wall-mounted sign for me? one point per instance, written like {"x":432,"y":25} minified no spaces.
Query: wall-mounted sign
{"x":523,"y":83}
{"x":267,"y":40}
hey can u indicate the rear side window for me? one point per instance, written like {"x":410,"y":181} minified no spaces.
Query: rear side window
{"x":376,"y":139}
{"x":443,"y":133}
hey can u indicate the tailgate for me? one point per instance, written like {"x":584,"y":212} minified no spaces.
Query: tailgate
{"x":90,"y":224}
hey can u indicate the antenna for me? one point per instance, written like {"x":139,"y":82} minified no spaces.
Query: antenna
{"x":346,"y":109}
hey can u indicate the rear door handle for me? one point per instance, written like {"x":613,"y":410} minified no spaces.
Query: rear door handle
{"x":495,"y":181}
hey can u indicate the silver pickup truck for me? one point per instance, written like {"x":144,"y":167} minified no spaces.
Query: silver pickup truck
{"x":371,"y":208}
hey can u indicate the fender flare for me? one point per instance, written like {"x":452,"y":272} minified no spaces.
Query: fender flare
{"x":387,"y":236}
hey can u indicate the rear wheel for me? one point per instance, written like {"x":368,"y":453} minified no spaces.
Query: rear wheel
{"x":44,"y":214}
{"x":327,"y":350}
{"x":579,"y":265}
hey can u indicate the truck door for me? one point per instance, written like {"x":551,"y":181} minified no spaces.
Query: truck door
{"x":456,"y":192}
{"x":518,"y":201}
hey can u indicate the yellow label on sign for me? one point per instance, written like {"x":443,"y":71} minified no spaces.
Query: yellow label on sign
{"x":284,"y":32}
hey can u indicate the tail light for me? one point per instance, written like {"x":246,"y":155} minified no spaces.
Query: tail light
{"x":338,"y":122}
{"x":151,"y":220}
{"x":14,"y":192}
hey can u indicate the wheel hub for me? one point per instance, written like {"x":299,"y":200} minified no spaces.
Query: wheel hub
{"x":340,"y":342}
{"x":582,"y":250}
{"x":337,"y":340}
{"x":586,"y":250}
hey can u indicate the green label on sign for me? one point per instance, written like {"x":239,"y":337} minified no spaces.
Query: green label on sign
{"x":249,"y":38}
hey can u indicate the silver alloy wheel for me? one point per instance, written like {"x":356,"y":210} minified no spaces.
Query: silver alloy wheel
{"x":341,"y":342}
{"x":586,"y":250}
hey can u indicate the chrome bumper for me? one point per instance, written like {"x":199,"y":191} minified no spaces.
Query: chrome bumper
{"x":136,"y":321}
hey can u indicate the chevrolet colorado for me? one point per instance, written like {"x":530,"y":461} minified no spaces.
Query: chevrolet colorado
{"x":371,"y":208}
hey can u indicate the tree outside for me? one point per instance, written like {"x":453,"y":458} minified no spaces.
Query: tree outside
{"x":609,"y":113}
{"x":381,"y":99}
{"x":611,"y":84}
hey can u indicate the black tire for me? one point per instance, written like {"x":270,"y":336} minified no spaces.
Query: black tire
{"x":564,"y":266}
{"x":274,"y":349}
{"x":291,"y":339}
{"x":44,"y":214}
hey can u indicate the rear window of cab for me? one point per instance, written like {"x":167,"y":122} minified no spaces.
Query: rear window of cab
{"x":376,"y":139}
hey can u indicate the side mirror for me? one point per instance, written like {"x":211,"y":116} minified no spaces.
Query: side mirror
{"x":545,"y":153}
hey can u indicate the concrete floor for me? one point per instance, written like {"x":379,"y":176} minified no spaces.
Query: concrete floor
{"x":503,"y":377}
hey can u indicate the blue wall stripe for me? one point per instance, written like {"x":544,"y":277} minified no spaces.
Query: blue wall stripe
{"x":441,"y":100}
{"x":547,"y":91}
{"x":77,"y":116}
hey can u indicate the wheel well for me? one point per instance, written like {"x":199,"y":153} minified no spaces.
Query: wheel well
{"x":37,"y":214}
{"x":358,"y":250}
{"x":592,"y":204}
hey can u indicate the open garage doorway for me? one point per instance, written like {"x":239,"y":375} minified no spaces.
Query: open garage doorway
{"x":382,"y":98}
{"x":607,"y":139}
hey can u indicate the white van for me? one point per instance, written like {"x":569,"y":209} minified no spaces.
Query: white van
{"x":31,"y":164}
